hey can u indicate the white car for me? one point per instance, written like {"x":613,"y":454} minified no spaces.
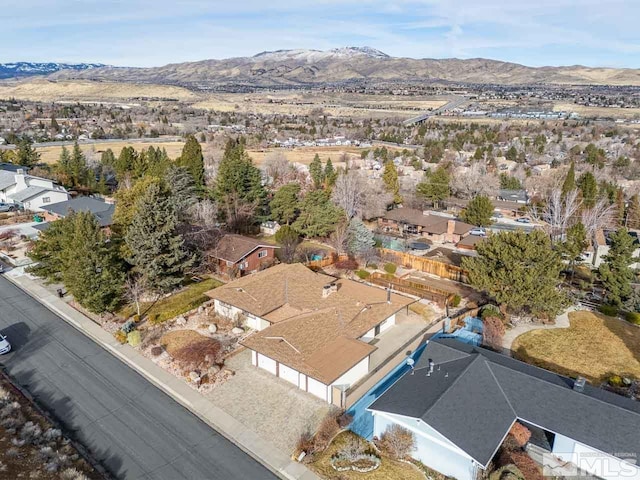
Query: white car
{"x":5,"y":346}
{"x":481,"y":232}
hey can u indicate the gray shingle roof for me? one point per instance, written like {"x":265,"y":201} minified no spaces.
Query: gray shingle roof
{"x":101,"y":210}
{"x":27,"y":193}
{"x":474,"y":395}
{"x":7,"y":179}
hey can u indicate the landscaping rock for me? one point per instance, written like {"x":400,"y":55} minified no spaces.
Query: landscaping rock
{"x":195,"y":377}
{"x":200,"y":309}
{"x":181,"y":321}
{"x":213,"y":370}
{"x":213,"y":328}
{"x":237,"y":330}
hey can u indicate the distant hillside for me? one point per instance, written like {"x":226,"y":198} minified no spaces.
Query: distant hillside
{"x":349,"y":65}
{"x":30,"y":69}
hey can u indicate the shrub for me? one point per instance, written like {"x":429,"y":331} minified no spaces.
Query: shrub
{"x":73,"y":474}
{"x":305,"y":443}
{"x":397,"y":442}
{"x":155,"y":351}
{"x":153,"y":319}
{"x":615,"y":381}
{"x":344,"y":420}
{"x":199,"y":355}
{"x":374,"y":266}
{"x":608,"y":310}
{"x":390,"y":268}
{"x":128,"y":326}
{"x":133,"y":338}
{"x":363,"y":274}
{"x":520,"y":433}
{"x":136,"y":318}
{"x":326,"y":431}
{"x":493,"y":332}
{"x":120,"y":336}
{"x":508,"y":472}
{"x":490,"y":311}
{"x":347,"y":264}
{"x":525,"y":464}
{"x":455,"y":301}
{"x":633,"y":317}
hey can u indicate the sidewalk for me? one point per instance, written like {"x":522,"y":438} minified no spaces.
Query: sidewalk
{"x":200,"y":406}
{"x":562,"y":321}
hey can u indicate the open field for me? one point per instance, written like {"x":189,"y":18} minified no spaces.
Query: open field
{"x":81,"y":90}
{"x":594,"y":346}
{"x":305,"y":155}
{"x":585,"y":111}
{"x":50,"y":154}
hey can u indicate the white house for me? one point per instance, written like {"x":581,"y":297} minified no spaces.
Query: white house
{"x":28,"y":191}
{"x":461,"y":402}
{"x":312,"y":330}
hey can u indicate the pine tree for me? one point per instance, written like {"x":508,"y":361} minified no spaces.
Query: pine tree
{"x":569,"y":181}
{"x":125,"y":161}
{"x":620,"y":206}
{"x":479,"y":211}
{"x":520,"y":271}
{"x":158,"y":251}
{"x":391,"y":183}
{"x":633,"y":213}
{"x":435,"y":187}
{"x":25,"y":154}
{"x":193,"y":160}
{"x":78,"y":172}
{"x":318,"y":215}
{"x":360,"y":237}
{"x":589,"y":189}
{"x":615,"y":273}
{"x":107,"y":158}
{"x":316,"y":172}
{"x":183,"y":190}
{"x":575,"y":243}
{"x":330,"y":174}
{"x":285,"y":204}
{"x":64,"y":165}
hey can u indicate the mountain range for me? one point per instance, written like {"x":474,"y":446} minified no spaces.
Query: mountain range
{"x":30,"y":69}
{"x":345,"y":66}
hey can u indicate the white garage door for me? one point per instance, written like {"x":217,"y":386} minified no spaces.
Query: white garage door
{"x":266,"y":363}
{"x":289,"y":374}
{"x":318,"y":389}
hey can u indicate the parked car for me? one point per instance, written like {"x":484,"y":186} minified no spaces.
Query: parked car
{"x":523,"y":220}
{"x":5,"y":207}
{"x":497,"y":215}
{"x":5,"y":346}
{"x":481,"y":232}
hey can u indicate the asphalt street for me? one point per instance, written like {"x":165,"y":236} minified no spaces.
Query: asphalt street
{"x":134,"y":429}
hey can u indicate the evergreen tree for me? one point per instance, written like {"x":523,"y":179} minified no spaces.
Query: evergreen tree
{"x":289,"y":240}
{"x":435,"y":187}
{"x":183,"y":190}
{"x":330,"y":174}
{"x":520,"y":271}
{"x":391,"y":183}
{"x":54,"y":124}
{"x":193,"y":160}
{"x":620,"y":206}
{"x":318,"y":215}
{"x":615,"y":273}
{"x":589,"y":189}
{"x":125,"y":161}
{"x":285,"y":204}
{"x":360,"y":237}
{"x":575,"y":243}
{"x":509,"y":183}
{"x":108,"y":158}
{"x":126,"y":202}
{"x":64,"y":165}
{"x":158,"y":252}
{"x":512,"y":154}
{"x":316,"y":172}
{"x":25,"y":154}
{"x":46,"y":251}
{"x":479,"y":211}
{"x":570,"y":180}
{"x":78,"y":172}
{"x":633,"y":213}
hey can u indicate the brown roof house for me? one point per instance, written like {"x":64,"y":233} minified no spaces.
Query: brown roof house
{"x":434,"y":227}
{"x":313,"y":330}
{"x":236,"y":255}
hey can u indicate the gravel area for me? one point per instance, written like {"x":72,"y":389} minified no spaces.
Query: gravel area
{"x":276,"y":410}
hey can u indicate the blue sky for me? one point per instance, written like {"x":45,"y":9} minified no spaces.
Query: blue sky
{"x":157,"y":32}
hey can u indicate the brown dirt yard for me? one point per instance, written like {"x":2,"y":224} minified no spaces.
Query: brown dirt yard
{"x":594,"y":346}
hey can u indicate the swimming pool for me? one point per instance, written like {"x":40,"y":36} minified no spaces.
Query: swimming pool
{"x":362,"y":423}
{"x":471,"y":333}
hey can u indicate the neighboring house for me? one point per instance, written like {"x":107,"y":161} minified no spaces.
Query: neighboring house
{"x":12,"y":167}
{"x":516,"y":196}
{"x":598,"y":250}
{"x":236,"y":255}
{"x":313,"y":330}
{"x":103,"y":211}
{"x":469,"y":242}
{"x":269,"y":228}
{"x":29,"y":192}
{"x":433,"y":227}
{"x":505,"y":207}
{"x":461,"y":401}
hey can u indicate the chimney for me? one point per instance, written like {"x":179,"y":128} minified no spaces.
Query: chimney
{"x":389,"y":294}
{"x":579,"y":384}
{"x":20,"y":171}
{"x":451,"y":226}
{"x":431,"y":365}
{"x":329,"y":289}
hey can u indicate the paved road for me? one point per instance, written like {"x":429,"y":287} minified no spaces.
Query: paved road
{"x":132,"y":427}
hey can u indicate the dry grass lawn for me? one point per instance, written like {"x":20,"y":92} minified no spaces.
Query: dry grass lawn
{"x":594,"y":346}
{"x":388,"y":470}
{"x":173,"y":341}
{"x":51,"y":154}
{"x":305,"y":155}
{"x":586,"y":111}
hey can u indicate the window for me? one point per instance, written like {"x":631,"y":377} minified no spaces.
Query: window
{"x":262,"y":254}
{"x":46,"y":199}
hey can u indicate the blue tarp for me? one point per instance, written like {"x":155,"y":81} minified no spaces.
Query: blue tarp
{"x":471,"y":333}
{"x":362,"y":423}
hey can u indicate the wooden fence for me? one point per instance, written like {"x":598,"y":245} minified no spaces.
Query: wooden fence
{"x":326,"y":261}
{"x":418,"y":289}
{"x":427,"y":265}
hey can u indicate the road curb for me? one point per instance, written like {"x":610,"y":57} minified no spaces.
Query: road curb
{"x":278,"y":467}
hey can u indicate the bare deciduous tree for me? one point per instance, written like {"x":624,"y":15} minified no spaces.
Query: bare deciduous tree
{"x":339,"y":239}
{"x":278,"y":169}
{"x":601,"y":215}
{"x":134,"y":288}
{"x":473,"y":181}
{"x":348,"y":192}
{"x":560,"y":212}
{"x":204,"y":213}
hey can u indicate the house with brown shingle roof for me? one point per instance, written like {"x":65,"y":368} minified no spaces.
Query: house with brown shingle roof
{"x":313,"y":330}
{"x":236,"y":255}
{"x":433,"y":227}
